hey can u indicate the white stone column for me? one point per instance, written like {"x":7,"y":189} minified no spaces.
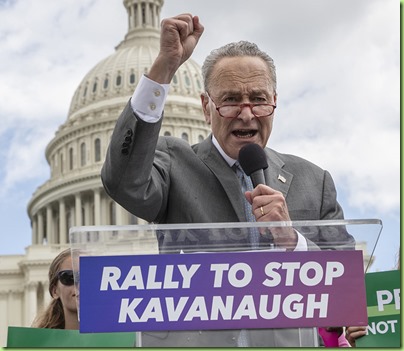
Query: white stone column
{"x":78,"y":216}
{"x":14,"y":306}
{"x":49,"y":228}
{"x":120,"y":214}
{"x":97,"y":207}
{"x":139,"y":14}
{"x":148,"y":15}
{"x":46,"y":295}
{"x":132,"y":17}
{"x":31,"y":305}
{"x":87,"y":213}
{"x":155,"y":16}
{"x":40,"y":228}
{"x":62,"y":222}
{"x":34,"y":237}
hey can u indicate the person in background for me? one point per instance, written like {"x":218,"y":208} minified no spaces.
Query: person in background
{"x":353,"y":333}
{"x":62,"y":310}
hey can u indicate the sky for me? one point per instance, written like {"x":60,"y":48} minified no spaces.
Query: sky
{"x":338,"y":71}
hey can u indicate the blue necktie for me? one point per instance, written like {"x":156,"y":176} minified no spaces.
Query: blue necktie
{"x":246,"y":185}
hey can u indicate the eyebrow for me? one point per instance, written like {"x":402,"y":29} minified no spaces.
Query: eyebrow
{"x":251,"y":93}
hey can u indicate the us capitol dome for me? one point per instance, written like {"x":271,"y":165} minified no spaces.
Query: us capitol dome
{"x":74,"y":195}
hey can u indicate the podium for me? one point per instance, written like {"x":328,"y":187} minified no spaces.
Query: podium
{"x":203,"y":285}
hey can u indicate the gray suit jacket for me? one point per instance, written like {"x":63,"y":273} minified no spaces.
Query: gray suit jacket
{"x":165,"y":180}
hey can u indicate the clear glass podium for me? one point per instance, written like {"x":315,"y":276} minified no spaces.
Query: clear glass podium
{"x":167,"y":239}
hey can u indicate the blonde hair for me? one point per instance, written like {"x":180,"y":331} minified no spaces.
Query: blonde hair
{"x":53,"y":317}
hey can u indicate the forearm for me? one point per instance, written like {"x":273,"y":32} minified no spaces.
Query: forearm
{"x":127,"y":170}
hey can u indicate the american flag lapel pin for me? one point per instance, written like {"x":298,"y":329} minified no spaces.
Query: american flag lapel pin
{"x":282,"y":178}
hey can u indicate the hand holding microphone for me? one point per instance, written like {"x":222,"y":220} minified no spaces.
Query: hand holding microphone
{"x":268,"y":205}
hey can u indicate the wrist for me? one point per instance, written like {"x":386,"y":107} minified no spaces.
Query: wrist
{"x":162,"y":70}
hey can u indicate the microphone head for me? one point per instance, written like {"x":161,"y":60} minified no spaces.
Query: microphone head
{"x":252,"y":158}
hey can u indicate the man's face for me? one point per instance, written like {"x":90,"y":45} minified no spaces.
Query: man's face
{"x":234,"y":81}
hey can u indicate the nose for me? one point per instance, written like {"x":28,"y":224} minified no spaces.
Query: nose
{"x":246,"y":113}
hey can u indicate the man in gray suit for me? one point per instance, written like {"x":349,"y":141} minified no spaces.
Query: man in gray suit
{"x":165,"y":180}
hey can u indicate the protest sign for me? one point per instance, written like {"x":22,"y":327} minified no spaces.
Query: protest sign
{"x":45,"y":337}
{"x":221,"y":291}
{"x":383,"y":301}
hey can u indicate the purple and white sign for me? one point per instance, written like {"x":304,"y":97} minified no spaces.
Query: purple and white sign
{"x":222,"y":291}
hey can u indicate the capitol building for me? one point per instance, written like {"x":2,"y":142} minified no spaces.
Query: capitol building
{"x":74,"y":195}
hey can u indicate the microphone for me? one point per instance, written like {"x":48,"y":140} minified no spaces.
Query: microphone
{"x":253,"y":161}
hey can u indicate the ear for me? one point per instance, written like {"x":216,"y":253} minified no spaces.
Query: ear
{"x":205,"y":107}
{"x":55,"y":293}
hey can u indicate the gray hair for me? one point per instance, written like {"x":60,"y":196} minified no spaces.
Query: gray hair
{"x":241,"y":48}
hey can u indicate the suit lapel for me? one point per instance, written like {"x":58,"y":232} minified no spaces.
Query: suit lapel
{"x":275,"y":176}
{"x":208,"y":153}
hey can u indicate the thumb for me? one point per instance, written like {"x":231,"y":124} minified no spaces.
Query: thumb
{"x":248,"y":196}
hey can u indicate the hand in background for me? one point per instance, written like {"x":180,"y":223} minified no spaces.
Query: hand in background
{"x":353,"y":333}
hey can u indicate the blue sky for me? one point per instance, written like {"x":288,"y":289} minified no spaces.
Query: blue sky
{"x":338,"y":67}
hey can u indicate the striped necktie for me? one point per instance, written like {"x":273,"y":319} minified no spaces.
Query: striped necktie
{"x":246,"y":185}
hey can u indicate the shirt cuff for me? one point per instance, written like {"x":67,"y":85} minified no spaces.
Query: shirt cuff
{"x":301,"y":243}
{"x":148,"y":99}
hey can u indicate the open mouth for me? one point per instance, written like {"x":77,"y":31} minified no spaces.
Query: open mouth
{"x":244,"y":133}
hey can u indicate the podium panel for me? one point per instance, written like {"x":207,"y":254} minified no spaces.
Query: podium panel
{"x":114,"y":260}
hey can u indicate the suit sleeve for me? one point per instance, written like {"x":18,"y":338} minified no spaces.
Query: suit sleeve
{"x":333,"y":237}
{"x":130,"y":174}
{"x":330,"y":208}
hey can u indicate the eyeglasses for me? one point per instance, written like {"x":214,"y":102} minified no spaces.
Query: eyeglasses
{"x":66,"y":277}
{"x":234,"y":110}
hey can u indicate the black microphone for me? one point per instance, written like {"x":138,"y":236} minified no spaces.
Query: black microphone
{"x":253,"y":160}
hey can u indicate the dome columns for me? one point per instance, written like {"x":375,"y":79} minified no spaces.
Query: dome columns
{"x":30,"y":301}
{"x":143,"y":14}
{"x":97,"y":206}
{"x":51,"y":223}
{"x":62,"y":222}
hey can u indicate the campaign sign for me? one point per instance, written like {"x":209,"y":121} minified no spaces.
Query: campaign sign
{"x":201,"y":291}
{"x":383,"y":301}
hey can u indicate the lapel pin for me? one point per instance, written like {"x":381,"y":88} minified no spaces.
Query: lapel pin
{"x":282,"y":178}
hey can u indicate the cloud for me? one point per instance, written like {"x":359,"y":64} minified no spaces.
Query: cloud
{"x":339,"y":107}
{"x":45,"y":54}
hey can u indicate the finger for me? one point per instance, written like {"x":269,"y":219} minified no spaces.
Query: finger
{"x":198,"y":27}
{"x":185,"y":25}
{"x":259,"y":212}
